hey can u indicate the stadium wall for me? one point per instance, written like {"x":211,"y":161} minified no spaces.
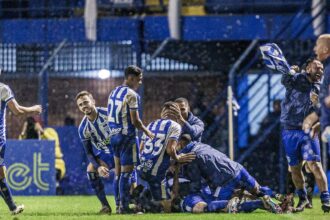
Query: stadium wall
{"x":195,"y":28}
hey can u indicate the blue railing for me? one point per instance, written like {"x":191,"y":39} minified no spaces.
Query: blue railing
{"x":284,"y":33}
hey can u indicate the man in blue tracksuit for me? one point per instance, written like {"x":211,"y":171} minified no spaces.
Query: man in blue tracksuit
{"x":299,"y":146}
{"x":190,"y":124}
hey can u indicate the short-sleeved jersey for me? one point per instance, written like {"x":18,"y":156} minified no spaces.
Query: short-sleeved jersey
{"x":121,"y":101}
{"x":98,"y":131}
{"x":5,"y":95}
{"x":154,"y":159}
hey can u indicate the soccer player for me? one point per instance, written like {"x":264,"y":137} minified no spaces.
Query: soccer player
{"x":298,"y":145}
{"x":156,"y":153}
{"x":94,"y":133}
{"x":221,"y":174}
{"x":7,"y":99}
{"x":191,"y":124}
{"x":124,"y":119}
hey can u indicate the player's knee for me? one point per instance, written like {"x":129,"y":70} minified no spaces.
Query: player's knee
{"x":90,"y":168}
{"x":315,"y":166}
{"x":199,"y":207}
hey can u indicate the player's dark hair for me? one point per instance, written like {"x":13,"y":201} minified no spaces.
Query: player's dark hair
{"x":307,"y":62}
{"x":132,"y":70}
{"x":181,"y":99}
{"x":83,"y":93}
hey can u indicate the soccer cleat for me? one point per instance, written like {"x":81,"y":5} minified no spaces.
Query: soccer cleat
{"x":232,"y":206}
{"x":303,"y":202}
{"x":326,"y":206}
{"x":105,"y":210}
{"x":19,"y":209}
{"x":270,"y":205}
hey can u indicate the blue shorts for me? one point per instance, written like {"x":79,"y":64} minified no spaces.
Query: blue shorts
{"x":189,"y":202}
{"x":300,"y":146}
{"x":154,"y":184}
{"x":2,"y":154}
{"x":107,"y":158}
{"x":242,"y":181}
{"x":125,"y":148}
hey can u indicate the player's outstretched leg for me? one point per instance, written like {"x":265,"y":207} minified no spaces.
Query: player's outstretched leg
{"x":6,"y":193}
{"x":250,"y":205}
{"x":124,"y":189}
{"x":98,"y":187}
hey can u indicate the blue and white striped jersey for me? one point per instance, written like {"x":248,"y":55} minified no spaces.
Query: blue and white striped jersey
{"x":5,"y":95}
{"x":121,"y":101}
{"x":98,"y":131}
{"x":153,"y":158}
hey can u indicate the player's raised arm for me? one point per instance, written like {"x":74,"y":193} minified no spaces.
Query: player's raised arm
{"x":22,"y":110}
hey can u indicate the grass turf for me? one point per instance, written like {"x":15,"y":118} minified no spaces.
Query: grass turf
{"x":86,"y":207}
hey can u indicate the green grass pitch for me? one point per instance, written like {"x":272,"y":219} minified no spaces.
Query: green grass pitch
{"x":86,"y":207}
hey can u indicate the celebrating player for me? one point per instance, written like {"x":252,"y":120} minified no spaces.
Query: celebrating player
{"x":95,"y":134}
{"x":299,"y":146}
{"x":156,"y":153}
{"x":124,"y":119}
{"x":191,"y":124}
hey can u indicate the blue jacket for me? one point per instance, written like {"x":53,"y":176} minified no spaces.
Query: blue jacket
{"x":297,"y":104}
{"x":194,"y":127}
{"x":324,"y":92}
{"x":211,"y":165}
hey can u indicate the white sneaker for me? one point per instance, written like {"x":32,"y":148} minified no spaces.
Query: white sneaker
{"x":19,"y":209}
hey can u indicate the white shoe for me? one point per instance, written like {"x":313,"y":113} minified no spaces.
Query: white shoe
{"x":19,"y":209}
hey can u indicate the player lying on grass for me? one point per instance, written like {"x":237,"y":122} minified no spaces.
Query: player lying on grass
{"x":221,"y":174}
{"x":182,"y":201}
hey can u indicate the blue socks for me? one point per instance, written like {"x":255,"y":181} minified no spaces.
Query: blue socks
{"x":325,"y":197}
{"x":124,"y":188}
{"x":6,"y":194}
{"x":98,"y":187}
{"x":267,"y":191}
{"x":302,"y":193}
{"x":215,"y":206}
{"x":116,"y":189}
{"x":250,"y":206}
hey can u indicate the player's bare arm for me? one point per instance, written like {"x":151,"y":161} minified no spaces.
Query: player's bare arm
{"x":22,"y":110}
{"x":136,"y":121}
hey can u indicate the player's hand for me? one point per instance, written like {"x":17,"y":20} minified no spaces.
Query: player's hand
{"x":309,"y":121}
{"x":327,"y":101}
{"x":186,"y":158}
{"x":103,"y":171}
{"x":326,"y":134}
{"x":150,"y":135}
{"x":174,"y":109}
{"x":37,"y":109}
{"x":295,"y":68}
{"x":315,"y":130}
{"x":314,"y":98}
